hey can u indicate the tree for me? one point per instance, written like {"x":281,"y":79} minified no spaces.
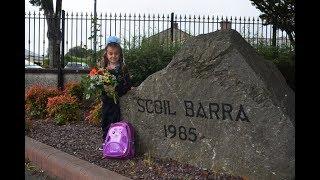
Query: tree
{"x":54,"y":32}
{"x":78,"y":51}
{"x":280,"y":13}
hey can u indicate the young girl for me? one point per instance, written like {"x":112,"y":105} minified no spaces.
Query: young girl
{"x":113,"y":62}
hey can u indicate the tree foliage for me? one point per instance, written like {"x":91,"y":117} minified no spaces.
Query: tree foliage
{"x":280,"y":13}
{"x":78,"y":51}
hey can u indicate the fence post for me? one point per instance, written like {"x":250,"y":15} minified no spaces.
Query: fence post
{"x":61,"y":63}
{"x":95,"y":32}
{"x":172,"y":24}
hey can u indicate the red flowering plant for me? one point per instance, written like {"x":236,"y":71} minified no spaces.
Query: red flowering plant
{"x":74,"y":89}
{"x":36,"y":99}
{"x":94,"y":116}
{"x":97,"y":79}
{"x":63,"y":108}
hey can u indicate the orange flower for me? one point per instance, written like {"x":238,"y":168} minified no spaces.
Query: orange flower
{"x":93,"y":72}
{"x":100,"y":71}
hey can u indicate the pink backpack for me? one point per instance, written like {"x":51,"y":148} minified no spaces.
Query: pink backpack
{"x":119,"y":142}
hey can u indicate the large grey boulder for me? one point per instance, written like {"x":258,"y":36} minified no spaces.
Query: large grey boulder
{"x":217,"y":105}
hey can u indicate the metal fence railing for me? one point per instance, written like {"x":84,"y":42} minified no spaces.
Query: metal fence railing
{"x":132,"y":28}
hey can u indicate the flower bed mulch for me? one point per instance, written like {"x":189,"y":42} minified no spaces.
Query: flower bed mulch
{"x":82,"y":140}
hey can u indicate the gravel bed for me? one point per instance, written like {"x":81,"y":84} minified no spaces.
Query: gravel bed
{"x":82,"y":140}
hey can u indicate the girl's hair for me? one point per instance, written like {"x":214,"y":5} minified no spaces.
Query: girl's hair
{"x":123,"y":67}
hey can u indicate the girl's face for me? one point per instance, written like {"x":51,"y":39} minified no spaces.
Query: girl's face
{"x":113,"y":54}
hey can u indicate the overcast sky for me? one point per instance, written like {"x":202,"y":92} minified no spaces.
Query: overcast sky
{"x":225,"y":8}
{"x":183,"y":7}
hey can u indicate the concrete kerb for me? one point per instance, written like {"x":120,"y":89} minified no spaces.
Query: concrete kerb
{"x":65,"y":166}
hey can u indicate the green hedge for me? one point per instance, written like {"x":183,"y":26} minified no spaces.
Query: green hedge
{"x":283,"y":57}
{"x":148,"y":58}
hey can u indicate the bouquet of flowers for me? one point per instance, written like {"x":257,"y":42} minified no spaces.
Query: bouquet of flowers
{"x":97,"y":79}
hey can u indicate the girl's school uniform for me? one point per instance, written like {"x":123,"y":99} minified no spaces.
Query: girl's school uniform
{"x":110,"y":110}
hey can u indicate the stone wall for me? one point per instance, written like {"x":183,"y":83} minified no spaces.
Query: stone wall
{"x":50,"y":78}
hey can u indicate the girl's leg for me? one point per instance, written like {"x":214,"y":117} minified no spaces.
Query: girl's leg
{"x":104,"y":122}
{"x":116,"y":114}
{"x":110,"y":114}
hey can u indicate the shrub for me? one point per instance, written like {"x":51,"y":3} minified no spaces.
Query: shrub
{"x":36,"y":100}
{"x":94,"y":115}
{"x":74,"y":89}
{"x":148,"y":58}
{"x":63,"y":108}
{"x":283,"y":57}
{"x":45,"y":63}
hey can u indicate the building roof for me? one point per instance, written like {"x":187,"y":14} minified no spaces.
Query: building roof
{"x":165,"y":35}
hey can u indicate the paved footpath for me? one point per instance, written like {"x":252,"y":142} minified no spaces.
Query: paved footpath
{"x":65,"y":166}
{"x":32,"y":175}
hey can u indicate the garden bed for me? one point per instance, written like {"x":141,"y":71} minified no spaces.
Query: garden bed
{"x":83,"y":140}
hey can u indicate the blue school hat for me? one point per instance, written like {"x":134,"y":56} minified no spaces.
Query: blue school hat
{"x":113,"y":39}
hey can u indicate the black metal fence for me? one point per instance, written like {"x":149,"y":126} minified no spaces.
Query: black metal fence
{"x":133,"y":28}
